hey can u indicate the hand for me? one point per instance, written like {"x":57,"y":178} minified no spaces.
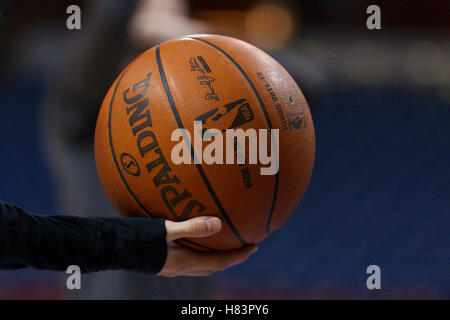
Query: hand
{"x":185,"y":262}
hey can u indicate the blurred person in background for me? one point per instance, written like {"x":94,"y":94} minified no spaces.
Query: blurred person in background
{"x":114,"y":33}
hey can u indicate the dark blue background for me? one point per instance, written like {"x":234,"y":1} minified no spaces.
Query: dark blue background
{"x":378,"y":195}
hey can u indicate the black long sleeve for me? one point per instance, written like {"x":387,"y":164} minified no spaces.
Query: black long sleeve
{"x":93,"y":244}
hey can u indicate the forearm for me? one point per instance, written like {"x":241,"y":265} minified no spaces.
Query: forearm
{"x":94,"y":244}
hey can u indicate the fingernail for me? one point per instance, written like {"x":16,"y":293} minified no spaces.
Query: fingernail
{"x":213,"y":224}
{"x":255,"y":249}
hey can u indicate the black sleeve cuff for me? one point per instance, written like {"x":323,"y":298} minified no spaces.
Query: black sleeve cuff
{"x":93,"y":244}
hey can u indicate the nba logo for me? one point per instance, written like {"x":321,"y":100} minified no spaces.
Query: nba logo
{"x":229,"y":116}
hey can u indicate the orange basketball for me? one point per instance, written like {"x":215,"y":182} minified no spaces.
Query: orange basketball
{"x":224,"y":84}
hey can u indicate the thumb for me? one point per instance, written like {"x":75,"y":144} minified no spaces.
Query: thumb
{"x":196,"y":228}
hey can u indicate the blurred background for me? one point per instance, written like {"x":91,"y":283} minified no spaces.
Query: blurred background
{"x":380,"y":101}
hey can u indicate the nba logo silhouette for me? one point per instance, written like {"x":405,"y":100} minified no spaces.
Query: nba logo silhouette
{"x":229,"y":116}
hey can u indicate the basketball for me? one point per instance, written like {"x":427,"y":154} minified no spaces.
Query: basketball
{"x":157,"y":139}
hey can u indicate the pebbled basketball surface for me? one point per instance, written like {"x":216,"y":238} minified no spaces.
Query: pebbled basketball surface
{"x":226,"y":83}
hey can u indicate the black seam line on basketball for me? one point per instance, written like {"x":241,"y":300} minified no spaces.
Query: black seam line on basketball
{"x":199,"y":167}
{"x":114,"y":153}
{"x":198,"y":244}
{"x":266,"y":114}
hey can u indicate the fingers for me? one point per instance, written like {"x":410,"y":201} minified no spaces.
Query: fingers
{"x":194,"y":228}
{"x":185,"y":262}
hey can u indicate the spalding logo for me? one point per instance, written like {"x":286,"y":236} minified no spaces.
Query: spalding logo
{"x":130,"y":164}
